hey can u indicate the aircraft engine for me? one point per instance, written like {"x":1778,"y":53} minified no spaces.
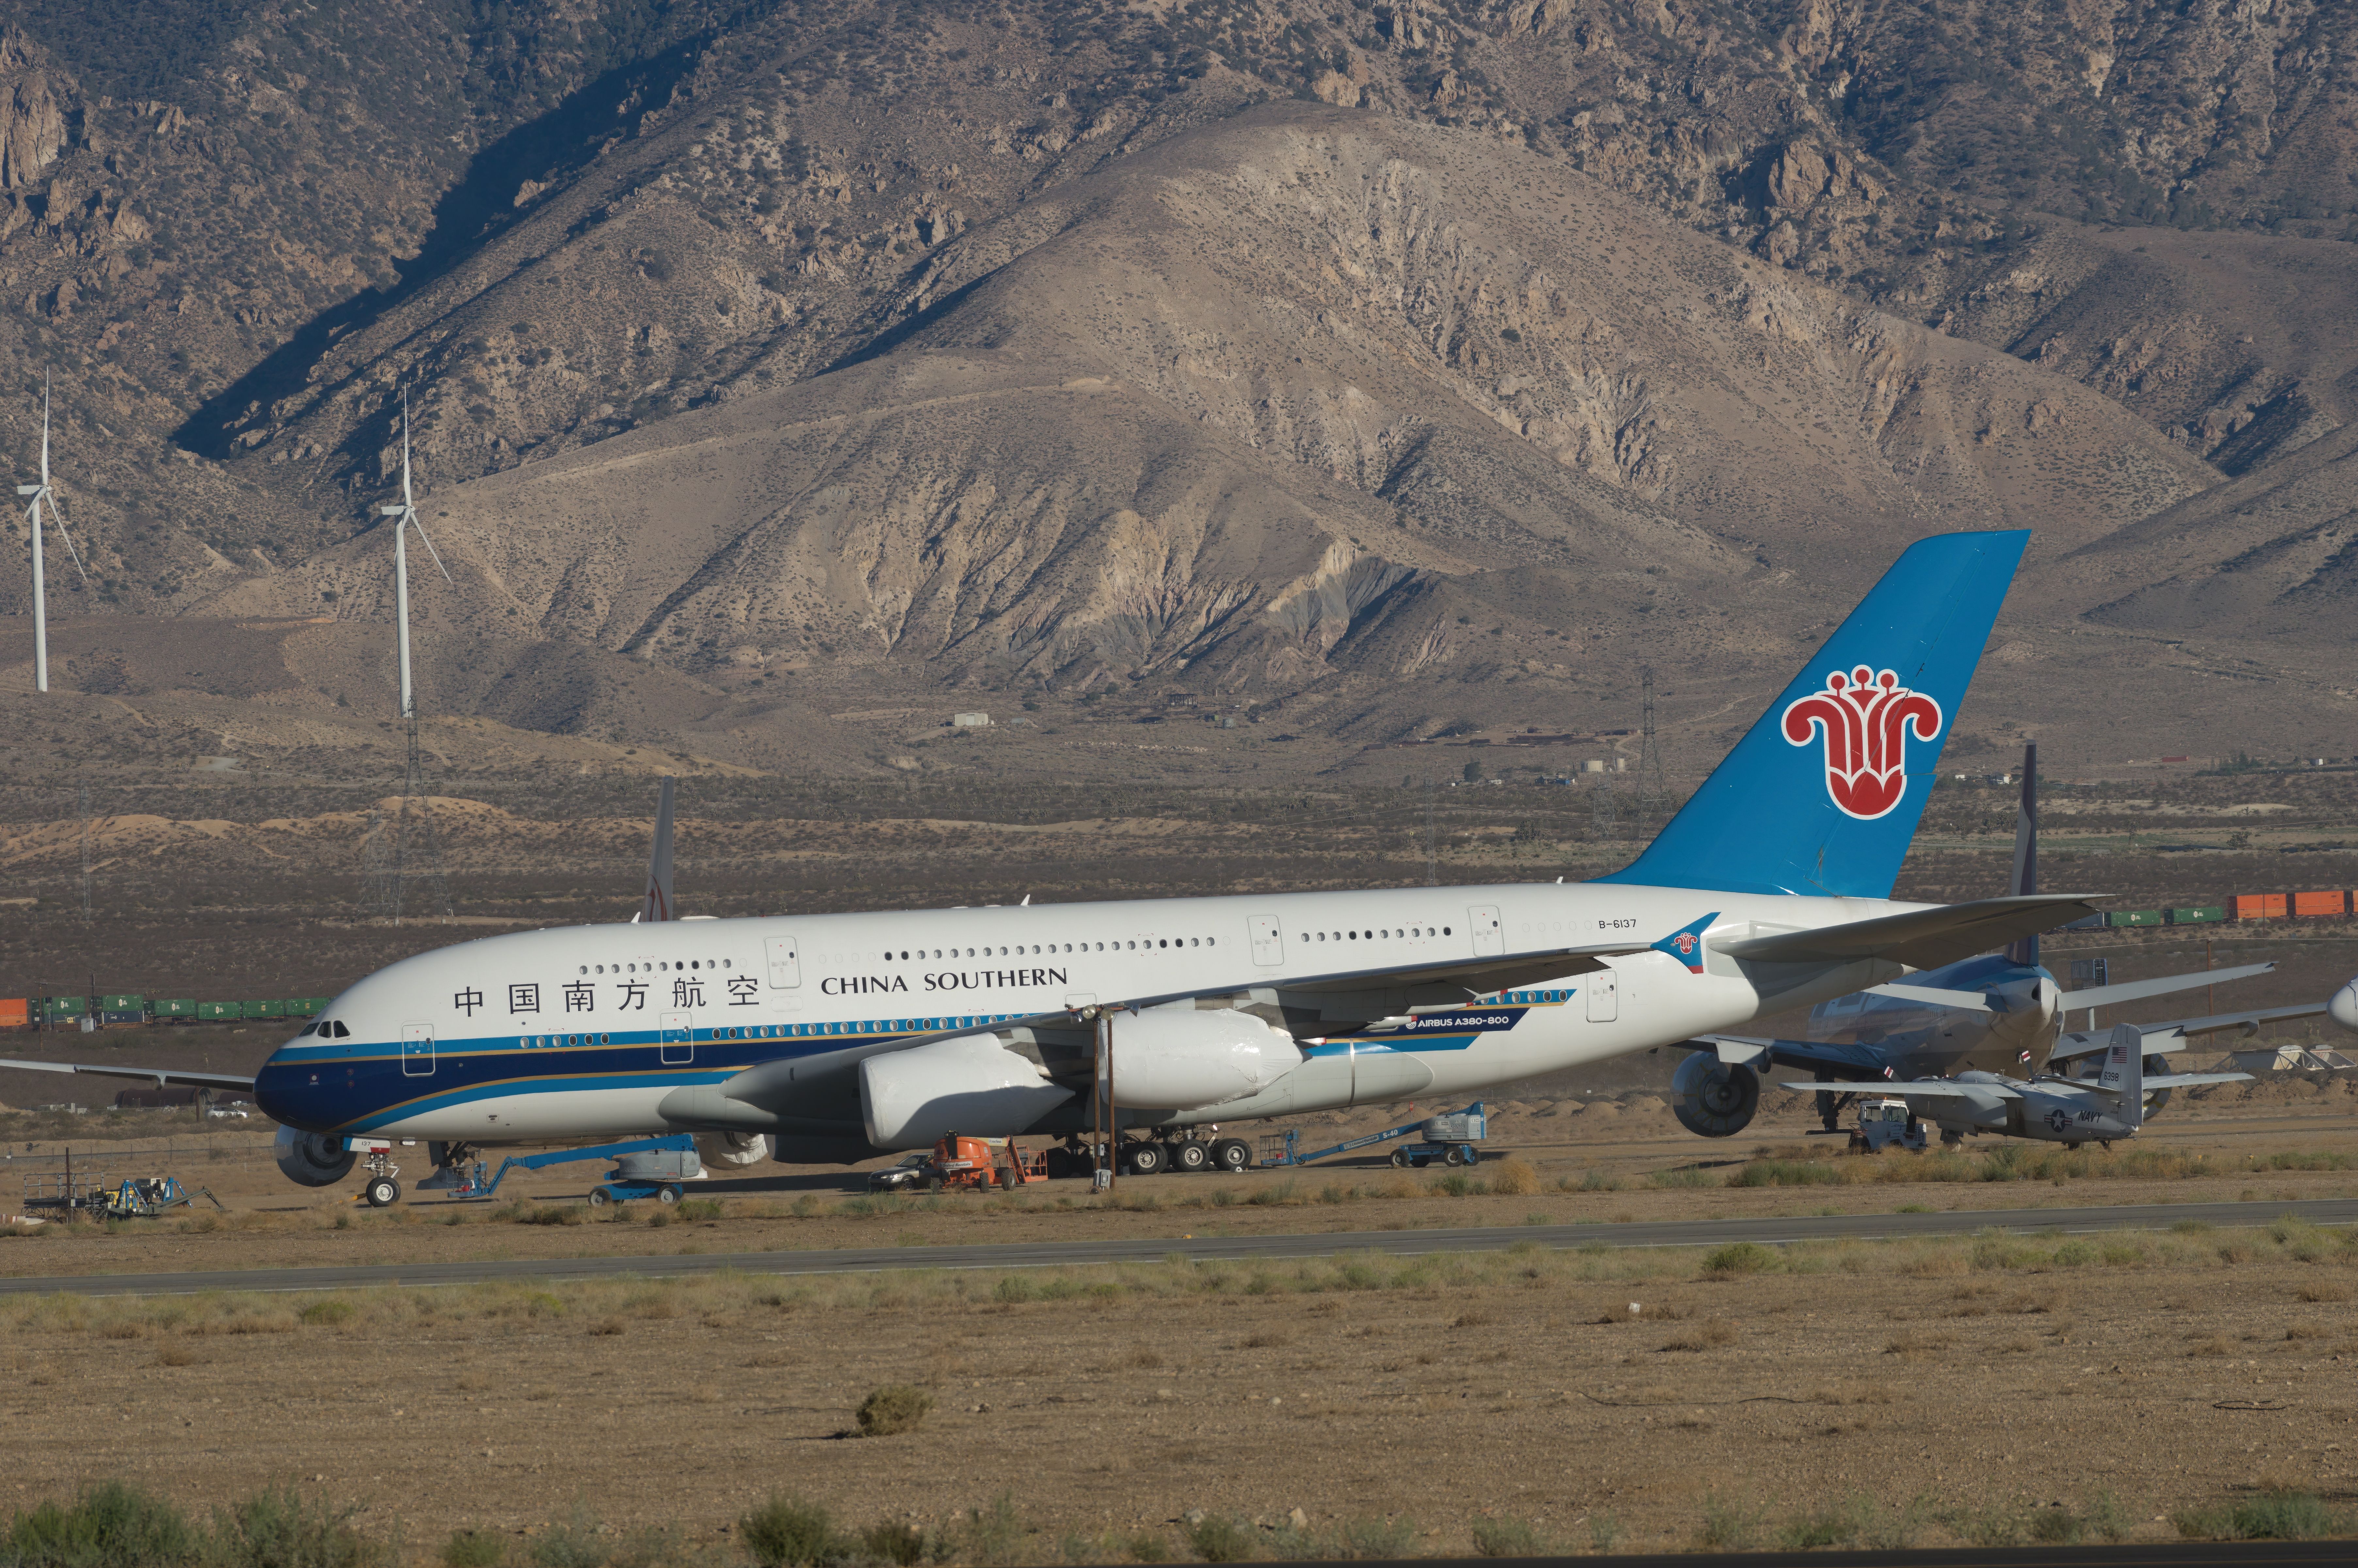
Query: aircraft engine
{"x":735,"y":1151}
{"x":1712,"y":1098}
{"x":910,"y":1099}
{"x":313,"y":1158}
{"x":2344,"y":1008}
{"x":1173,"y":1060}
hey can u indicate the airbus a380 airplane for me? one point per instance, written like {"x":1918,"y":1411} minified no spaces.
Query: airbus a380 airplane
{"x":835,"y":1037}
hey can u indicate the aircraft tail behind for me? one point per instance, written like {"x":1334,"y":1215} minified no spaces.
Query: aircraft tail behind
{"x":656,"y":903}
{"x":2123,"y":1071}
{"x":2025,"y":853}
{"x":1822,"y":795}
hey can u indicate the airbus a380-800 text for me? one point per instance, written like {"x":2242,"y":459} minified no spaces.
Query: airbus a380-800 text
{"x":835,"y":1037}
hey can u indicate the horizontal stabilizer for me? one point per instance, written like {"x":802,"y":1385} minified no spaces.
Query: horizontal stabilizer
{"x":1922,"y":939}
{"x":1924,"y":1089}
{"x":2137,"y":990}
{"x":1933,"y":996}
{"x":2188,"y":1080}
{"x":2249,"y":1021}
{"x":159,"y":1076}
{"x":1854,"y":1063}
{"x":2160,"y":1040}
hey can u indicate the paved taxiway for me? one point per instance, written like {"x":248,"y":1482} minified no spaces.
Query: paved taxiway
{"x":1209,"y":1249}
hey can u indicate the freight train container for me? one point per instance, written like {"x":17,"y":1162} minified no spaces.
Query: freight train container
{"x":2134,"y":917}
{"x":2258,"y":906}
{"x":2312,"y":905}
{"x":122,"y":1002}
{"x":67,"y":1006}
{"x":15,"y":1012}
{"x":265,"y":1009}
{"x":176,"y":1009}
{"x":306,"y":1006}
{"x":220,"y":1010}
{"x":2198,"y":914}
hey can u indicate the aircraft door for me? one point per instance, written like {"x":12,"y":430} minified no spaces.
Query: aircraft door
{"x":678,"y":1041}
{"x":1604,"y":990}
{"x":785,"y":963}
{"x":1487,"y":938}
{"x":416,"y":1050}
{"x":1268,"y":940}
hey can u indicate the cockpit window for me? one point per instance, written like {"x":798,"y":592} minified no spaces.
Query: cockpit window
{"x":314,"y":1027}
{"x":342,"y":1033}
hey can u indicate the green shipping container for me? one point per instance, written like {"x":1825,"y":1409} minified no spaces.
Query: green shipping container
{"x":2202,"y":914}
{"x":265,"y":1010}
{"x":305,"y":1006}
{"x":218,"y":1010}
{"x":2134,"y":917}
{"x":122,"y":1002}
{"x":175,"y":1008}
{"x":68,"y":1006}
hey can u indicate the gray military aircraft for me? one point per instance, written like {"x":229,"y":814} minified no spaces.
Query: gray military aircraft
{"x":2069,"y":1112}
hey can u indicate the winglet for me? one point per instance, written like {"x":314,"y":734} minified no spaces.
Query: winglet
{"x":1685,"y":943}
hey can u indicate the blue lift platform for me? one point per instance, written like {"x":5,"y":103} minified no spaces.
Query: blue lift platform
{"x":642,"y":1170}
{"x":1461,"y":1130}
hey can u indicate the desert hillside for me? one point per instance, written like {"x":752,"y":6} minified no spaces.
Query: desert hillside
{"x":1396,"y":368}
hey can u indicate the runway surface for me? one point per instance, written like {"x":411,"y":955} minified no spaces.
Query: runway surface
{"x":1210,"y":1248}
{"x":2157,"y":1554}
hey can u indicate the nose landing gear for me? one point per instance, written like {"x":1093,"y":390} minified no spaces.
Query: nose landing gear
{"x":381,"y":1190}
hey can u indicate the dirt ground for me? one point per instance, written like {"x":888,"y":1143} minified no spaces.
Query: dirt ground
{"x":1977,"y":1389}
{"x":1647,"y":1399}
{"x":1606,"y":1159}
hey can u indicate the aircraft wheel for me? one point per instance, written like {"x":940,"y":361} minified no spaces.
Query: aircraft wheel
{"x":1145,"y":1159}
{"x":1231,"y":1154}
{"x":1190,"y":1154}
{"x":382,"y":1192}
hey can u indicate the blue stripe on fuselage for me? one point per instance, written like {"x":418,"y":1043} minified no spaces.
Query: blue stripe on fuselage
{"x":352,"y":1085}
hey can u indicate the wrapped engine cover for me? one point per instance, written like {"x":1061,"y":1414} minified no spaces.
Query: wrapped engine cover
{"x":1179,"y":1059}
{"x":973,"y":1085}
{"x":657,"y":1165}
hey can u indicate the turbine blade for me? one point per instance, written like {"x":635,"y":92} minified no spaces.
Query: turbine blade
{"x":58,"y":516}
{"x":430,"y":549}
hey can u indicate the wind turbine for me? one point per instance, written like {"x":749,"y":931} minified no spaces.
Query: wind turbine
{"x":427,"y":856}
{"x":40,"y":492}
{"x":407,"y":511}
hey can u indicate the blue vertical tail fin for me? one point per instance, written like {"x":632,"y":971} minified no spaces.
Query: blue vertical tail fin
{"x":1822,"y":794}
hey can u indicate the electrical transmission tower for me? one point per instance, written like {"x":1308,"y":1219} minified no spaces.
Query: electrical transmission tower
{"x":378,"y":896}
{"x":85,"y":854}
{"x":1653,"y":788}
{"x":415,"y":858}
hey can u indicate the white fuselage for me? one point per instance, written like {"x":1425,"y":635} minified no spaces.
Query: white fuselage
{"x":584,"y":1031}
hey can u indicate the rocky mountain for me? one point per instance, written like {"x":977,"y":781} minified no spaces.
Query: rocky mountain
{"x":1412,"y":363}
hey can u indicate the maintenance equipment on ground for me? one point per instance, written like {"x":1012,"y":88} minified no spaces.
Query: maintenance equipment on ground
{"x":978,"y":1165}
{"x":137,"y":1197}
{"x":1449,"y":1138}
{"x":643,"y":1167}
{"x":1883,"y":1123}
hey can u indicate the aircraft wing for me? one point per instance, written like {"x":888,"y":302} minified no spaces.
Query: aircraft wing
{"x":1922,"y":939}
{"x":2137,"y":990}
{"x":159,"y":1076}
{"x":2081,"y":1042}
{"x":1923,"y":1088}
{"x":1856,"y":1063}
